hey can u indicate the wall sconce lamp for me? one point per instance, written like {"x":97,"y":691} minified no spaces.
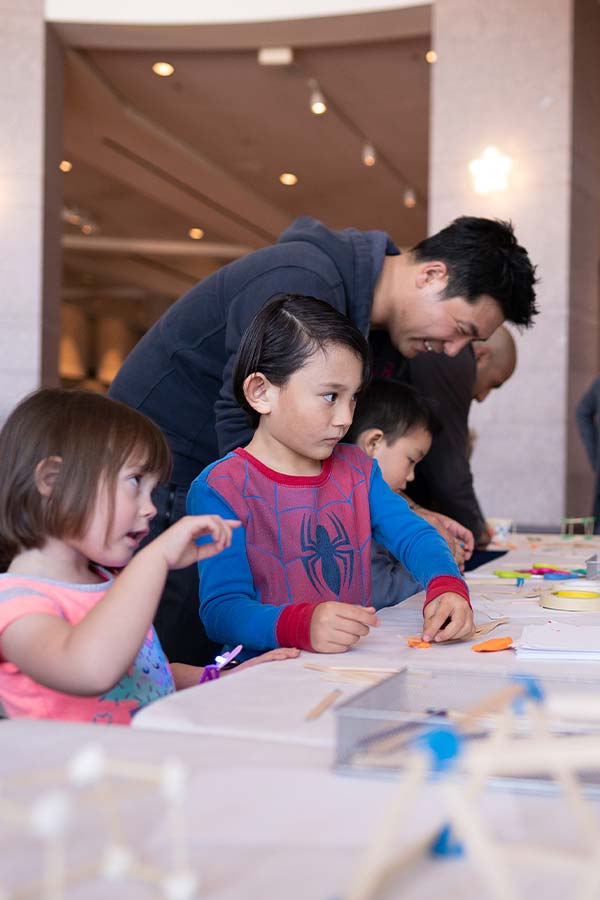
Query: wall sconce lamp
{"x":490,"y":171}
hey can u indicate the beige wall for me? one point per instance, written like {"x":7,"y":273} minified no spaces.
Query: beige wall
{"x":504,"y":76}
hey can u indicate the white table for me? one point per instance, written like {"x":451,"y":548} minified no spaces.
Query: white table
{"x":266,"y":813}
{"x":270,"y":702}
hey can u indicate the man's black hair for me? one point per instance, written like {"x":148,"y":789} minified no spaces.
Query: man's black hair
{"x":284,"y":334}
{"x":396,"y":409}
{"x":483,"y":257}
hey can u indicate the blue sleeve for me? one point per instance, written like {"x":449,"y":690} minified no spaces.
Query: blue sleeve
{"x":230,"y":609}
{"x":413,"y":541}
{"x":391,"y":583}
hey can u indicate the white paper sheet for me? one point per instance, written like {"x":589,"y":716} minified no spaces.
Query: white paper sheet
{"x":558,"y":640}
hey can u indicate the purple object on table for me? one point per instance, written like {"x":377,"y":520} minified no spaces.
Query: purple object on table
{"x":212,"y":670}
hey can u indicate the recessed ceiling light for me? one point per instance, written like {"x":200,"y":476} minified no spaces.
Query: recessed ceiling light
{"x":196,"y":234}
{"x":288,"y":178}
{"x":368,"y":156}
{"x":409,"y":198}
{"x":431,"y":56}
{"x":87,"y":228}
{"x":275,"y":56}
{"x":162,"y":68}
{"x":65,"y":165}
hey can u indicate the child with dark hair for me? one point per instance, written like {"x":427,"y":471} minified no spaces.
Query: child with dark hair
{"x":298,"y":571}
{"x":393,"y":424}
{"x":75,"y":642}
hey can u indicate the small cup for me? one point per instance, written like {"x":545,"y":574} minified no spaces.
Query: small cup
{"x":501,"y":529}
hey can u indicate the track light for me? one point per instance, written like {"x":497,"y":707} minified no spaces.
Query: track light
{"x":368,"y":156}
{"x":409,"y":198}
{"x":317,"y":100}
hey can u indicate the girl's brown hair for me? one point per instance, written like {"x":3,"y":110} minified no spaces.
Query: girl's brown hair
{"x":94,"y":437}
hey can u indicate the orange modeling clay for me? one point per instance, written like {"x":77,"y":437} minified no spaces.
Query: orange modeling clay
{"x":417,"y":642}
{"x":493,"y":644}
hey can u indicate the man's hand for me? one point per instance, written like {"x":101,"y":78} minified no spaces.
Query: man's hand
{"x":450,"y":607}
{"x":454,"y":543}
{"x":460,"y":533}
{"x":335,"y":627}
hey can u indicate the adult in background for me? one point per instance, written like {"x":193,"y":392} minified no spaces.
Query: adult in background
{"x":444,"y":481}
{"x":586,"y":413}
{"x":452,"y":288}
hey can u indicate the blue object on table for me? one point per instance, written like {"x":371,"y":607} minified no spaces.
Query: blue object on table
{"x":446,"y":844}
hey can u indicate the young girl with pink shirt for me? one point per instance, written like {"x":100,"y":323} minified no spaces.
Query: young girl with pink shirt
{"x":76,"y":641}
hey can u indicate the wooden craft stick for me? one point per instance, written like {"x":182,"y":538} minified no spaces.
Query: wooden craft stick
{"x":346,"y":669}
{"x":324,"y":704}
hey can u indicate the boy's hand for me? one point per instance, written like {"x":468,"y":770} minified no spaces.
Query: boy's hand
{"x":335,"y":626}
{"x":447,"y":606}
{"x":270,"y":656}
{"x":177,"y":543}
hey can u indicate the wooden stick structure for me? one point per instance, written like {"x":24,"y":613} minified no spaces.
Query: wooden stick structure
{"x":465,"y":767}
{"x":51,"y":819}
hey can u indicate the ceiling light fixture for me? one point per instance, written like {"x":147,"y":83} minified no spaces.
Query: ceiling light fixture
{"x":490,"y":171}
{"x":196,"y":234}
{"x":72,"y":215}
{"x":368,"y":156}
{"x":288,"y":178}
{"x":409,"y":198}
{"x":431,"y":57}
{"x":162,"y":68}
{"x":318,"y":105}
{"x":275,"y":56}
{"x":65,"y":165}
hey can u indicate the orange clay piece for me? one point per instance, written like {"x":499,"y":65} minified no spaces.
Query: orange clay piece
{"x":417,"y":642}
{"x":502,"y":643}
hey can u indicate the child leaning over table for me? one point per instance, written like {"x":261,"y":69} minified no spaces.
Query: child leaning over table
{"x":307,"y":503}
{"x":76,"y":642}
{"x":394,"y":424}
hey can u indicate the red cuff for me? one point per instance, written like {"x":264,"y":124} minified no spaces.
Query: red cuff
{"x":293,"y":625}
{"x":441,"y":584}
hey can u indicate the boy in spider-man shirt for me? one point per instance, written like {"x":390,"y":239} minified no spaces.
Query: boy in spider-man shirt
{"x":308,"y":507}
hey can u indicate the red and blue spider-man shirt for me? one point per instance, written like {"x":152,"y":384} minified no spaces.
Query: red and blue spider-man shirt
{"x":303,"y":541}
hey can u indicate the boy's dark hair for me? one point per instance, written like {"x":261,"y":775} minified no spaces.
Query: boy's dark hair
{"x":94,"y":437}
{"x":284,"y":334}
{"x":394,"y":408}
{"x":483,"y":257}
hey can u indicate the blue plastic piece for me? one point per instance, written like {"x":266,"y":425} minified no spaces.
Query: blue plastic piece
{"x":520,"y":582}
{"x":532,"y":690}
{"x":443,"y":745}
{"x":445,"y":844}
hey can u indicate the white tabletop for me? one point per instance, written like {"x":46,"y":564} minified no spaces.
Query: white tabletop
{"x":270,"y":702}
{"x":266,"y":814}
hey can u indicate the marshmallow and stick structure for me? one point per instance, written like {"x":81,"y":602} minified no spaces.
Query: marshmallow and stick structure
{"x":52,"y":818}
{"x":461,"y":769}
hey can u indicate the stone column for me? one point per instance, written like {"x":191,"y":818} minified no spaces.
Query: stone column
{"x":504,"y":77}
{"x":31,"y":96}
